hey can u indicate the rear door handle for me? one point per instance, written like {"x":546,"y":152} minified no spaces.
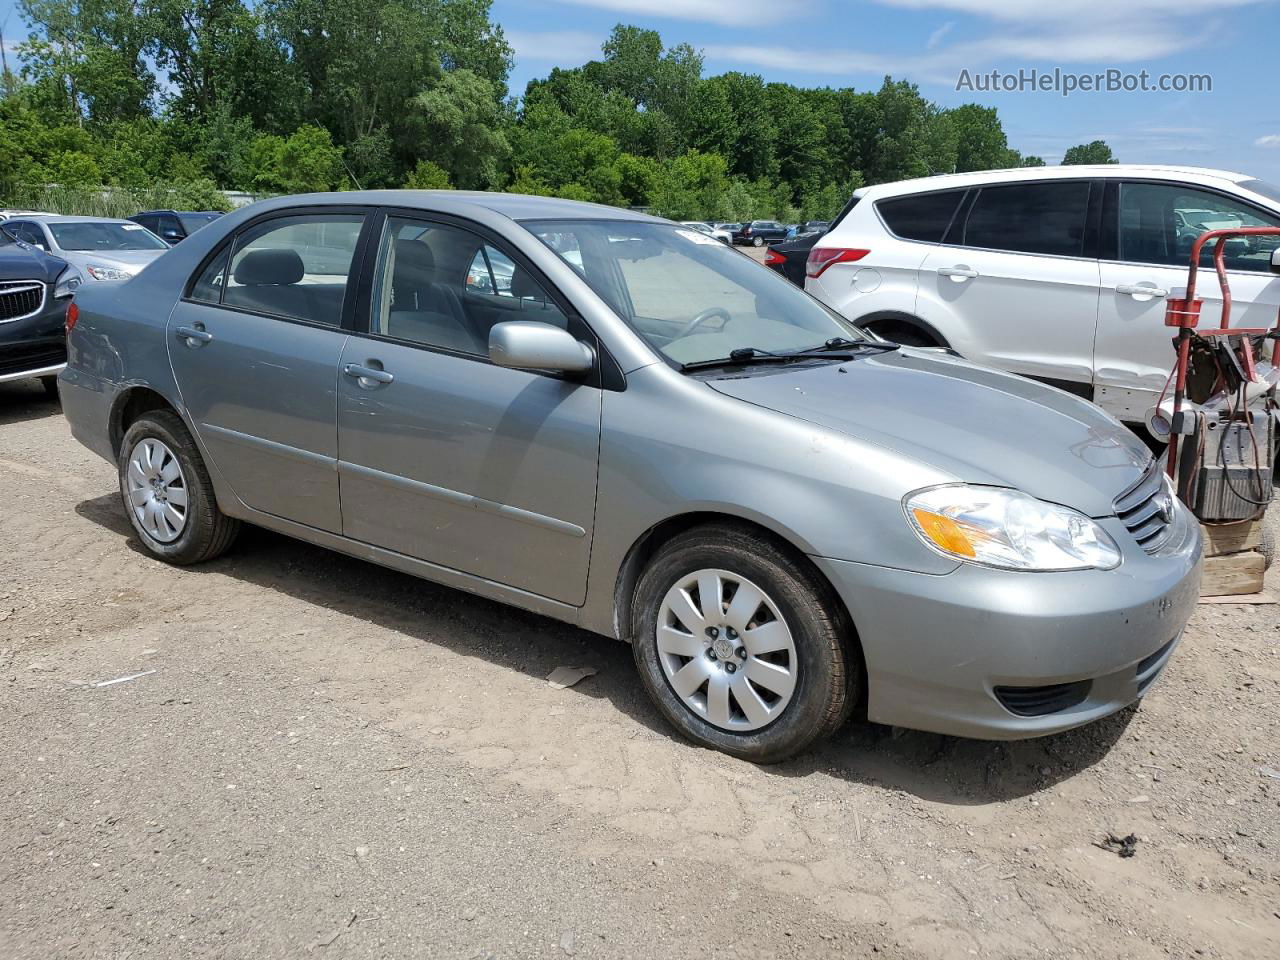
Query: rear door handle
{"x":194,"y":337}
{"x":958,"y":272}
{"x":1142,"y":290}
{"x":367,"y":377}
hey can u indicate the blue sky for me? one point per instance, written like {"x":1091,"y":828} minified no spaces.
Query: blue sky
{"x":855,"y":42}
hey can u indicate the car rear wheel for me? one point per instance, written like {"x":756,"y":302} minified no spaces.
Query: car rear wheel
{"x":757,"y":241}
{"x":50,"y":385}
{"x":167,"y":493}
{"x":741,"y":648}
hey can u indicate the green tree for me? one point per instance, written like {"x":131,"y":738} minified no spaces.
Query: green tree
{"x":304,"y":162}
{"x":1095,"y":151}
{"x":981,"y":143}
{"x":427,"y":176}
{"x":90,"y":53}
{"x":458,"y":122}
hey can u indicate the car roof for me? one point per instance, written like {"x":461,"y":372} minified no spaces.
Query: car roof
{"x":61,"y":218}
{"x":514,"y":206}
{"x":1203,"y":175}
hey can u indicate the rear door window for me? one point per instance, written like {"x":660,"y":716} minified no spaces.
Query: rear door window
{"x":295,"y":267}
{"x":1046,"y":218}
{"x":922,"y":216}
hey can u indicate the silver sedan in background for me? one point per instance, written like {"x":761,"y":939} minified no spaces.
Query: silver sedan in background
{"x":622,"y":423}
{"x":99,"y":247}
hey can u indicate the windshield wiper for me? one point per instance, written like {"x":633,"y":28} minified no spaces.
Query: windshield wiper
{"x":745,"y":356}
{"x":842,"y":343}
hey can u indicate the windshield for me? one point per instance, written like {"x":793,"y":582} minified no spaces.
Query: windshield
{"x":99,"y":235}
{"x":194,"y":221}
{"x":690,"y":296}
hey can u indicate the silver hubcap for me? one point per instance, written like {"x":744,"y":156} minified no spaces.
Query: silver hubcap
{"x":726,"y":651}
{"x":157,"y":490}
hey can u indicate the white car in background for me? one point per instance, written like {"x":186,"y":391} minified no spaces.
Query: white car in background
{"x":724,"y":236}
{"x":99,"y":247}
{"x":1056,"y":273}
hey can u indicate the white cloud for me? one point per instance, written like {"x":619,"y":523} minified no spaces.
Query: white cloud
{"x":1090,"y":12}
{"x":1270,"y":140}
{"x":729,"y":13}
{"x":942,"y":64}
{"x":561,"y":47}
{"x":935,"y":38}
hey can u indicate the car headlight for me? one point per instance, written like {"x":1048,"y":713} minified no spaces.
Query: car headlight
{"x":1004,"y":528}
{"x":99,"y":272}
{"x":67,"y":282}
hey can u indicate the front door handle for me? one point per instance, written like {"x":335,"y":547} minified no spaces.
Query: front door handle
{"x":1142,"y":290}
{"x":195,"y":336}
{"x":958,"y":273}
{"x":367,"y":377}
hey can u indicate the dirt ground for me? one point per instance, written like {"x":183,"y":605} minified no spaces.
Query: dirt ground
{"x":324,"y":758}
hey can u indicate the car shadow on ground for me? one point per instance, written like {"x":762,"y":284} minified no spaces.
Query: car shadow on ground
{"x":930,"y":766}
{"x":22,"y":400}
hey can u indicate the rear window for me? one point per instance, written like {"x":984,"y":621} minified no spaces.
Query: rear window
{"x":1046,"y":218}
{"x":922,"y":216}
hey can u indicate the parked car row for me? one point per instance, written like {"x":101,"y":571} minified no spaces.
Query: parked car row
{"x":480,"y":389}
{"x":44,"y":257}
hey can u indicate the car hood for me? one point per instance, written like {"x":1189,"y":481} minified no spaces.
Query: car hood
{"x":131,"y":260}
{"x":20,"y":262}
{"x":979,"y":425}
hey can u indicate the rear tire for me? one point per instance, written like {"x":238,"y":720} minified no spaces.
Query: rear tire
{"x":796,"y":680}
{"x":757,"y":242}
{"x":167,"y":494}
{"x":50,"y":385}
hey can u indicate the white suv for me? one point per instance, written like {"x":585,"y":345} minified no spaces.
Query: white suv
{"x":1056,"y":273}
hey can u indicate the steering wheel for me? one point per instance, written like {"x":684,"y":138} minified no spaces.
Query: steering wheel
{"x":702,"y":318}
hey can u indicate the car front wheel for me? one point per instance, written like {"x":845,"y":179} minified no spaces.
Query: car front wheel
{"x":757,"y":242}
{"x":167,"y":493}
{"x":742,"y":649}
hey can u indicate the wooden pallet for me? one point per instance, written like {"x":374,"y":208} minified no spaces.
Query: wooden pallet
{"x":1233,"y":562}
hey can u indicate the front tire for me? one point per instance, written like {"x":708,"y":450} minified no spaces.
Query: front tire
{"x":757,"y":241}
{"x":167,"y":494}
{"x":743,"y":649}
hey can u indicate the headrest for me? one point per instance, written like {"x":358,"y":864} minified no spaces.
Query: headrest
{"x":260,"y":268}
{"x":414,"y":255}
{"x":523,"y":285}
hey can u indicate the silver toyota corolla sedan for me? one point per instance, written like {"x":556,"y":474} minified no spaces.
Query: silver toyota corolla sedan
{"x":621,"y":423}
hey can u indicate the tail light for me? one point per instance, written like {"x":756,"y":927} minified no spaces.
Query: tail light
{"x":822,"y":257}
{"x":774,"y":258}
{"x":73,"y":314}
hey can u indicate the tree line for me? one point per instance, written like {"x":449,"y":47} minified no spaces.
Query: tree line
{"x":288,"y":96}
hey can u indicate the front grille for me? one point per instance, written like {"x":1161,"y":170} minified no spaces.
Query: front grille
{"x":20,"y":298}
{"x":1044,"y":700}
{"x":1146,"y":509}
{"x":20,"y":360}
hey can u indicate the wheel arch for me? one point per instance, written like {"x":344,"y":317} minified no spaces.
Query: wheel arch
{"x":906,"y":319}
{"x":652,"y":540}
{"x":130,"y":404}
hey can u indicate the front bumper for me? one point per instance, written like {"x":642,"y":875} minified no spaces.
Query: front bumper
{"x":34,"y":346}
{"x":938,"y":648}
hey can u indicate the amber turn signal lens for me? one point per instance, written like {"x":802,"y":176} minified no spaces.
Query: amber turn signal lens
{"x":944,"y":532}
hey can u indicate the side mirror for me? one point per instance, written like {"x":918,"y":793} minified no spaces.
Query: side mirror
{"x":170,"y":236}
{"x":1275,"y":260}
{"x":530,"y":345}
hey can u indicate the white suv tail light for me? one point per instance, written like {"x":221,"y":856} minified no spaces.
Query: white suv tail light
{"x":822,"y":257}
